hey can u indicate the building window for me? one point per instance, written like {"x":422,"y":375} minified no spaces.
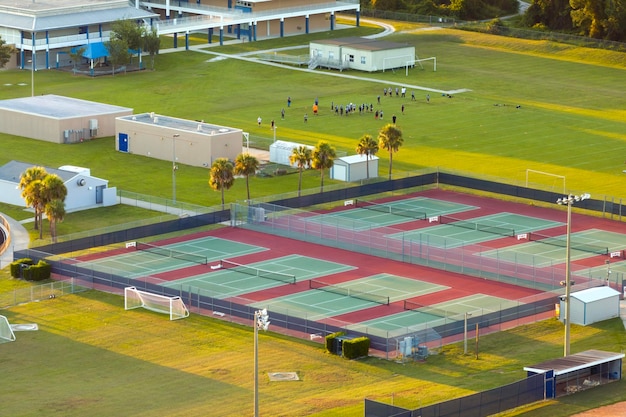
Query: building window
{"x":331,"y":55}
{"x":363,"y":60}
{"x":351,"y":58}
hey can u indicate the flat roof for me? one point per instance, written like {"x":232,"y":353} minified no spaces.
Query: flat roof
{"x":59,"y":107}
{"x":362,"y":43}
{"x":575,"y":362}
{"x":195,"y":126}
{"x":13,"y":170}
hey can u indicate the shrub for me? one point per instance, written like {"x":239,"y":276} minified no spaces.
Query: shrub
{"x":40,"y":272}
{"x":16,"y":267}
{"x":356,"y":348}
{"x":331,"y":342}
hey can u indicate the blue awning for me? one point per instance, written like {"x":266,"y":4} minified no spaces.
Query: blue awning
{"x":93,"y":50}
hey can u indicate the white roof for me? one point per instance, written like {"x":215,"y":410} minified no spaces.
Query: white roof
{"x":594,"y":294}
{"x":281,"y":144}
{"x":353,"y":159}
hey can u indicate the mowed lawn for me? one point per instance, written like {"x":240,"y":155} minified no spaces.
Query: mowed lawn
{"x":571,"y":120}
{"x":90,"y":357}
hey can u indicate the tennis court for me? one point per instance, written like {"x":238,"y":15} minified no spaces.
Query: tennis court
{"x":146,"y":259}
{"x":366,"y":215}
{"x":456,"y":233}
{"x":241,"y":279}
{"x":415,"y":314}
{"x":551,"y":250}
{"x":324,"y":300}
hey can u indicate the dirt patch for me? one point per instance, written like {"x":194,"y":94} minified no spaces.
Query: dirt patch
{"x":614,"y":410}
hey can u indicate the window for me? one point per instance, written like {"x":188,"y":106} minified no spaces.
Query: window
{"x":351,"y":58}
{"x":363,"y":60}
{"x":331,"y":55}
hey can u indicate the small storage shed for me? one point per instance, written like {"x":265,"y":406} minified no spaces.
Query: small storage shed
{"x":354,"y":168}
{"x":84,"y":191}
{"x":280,"y":151}
{"x":591,"y":305}
{"x":578,"y":372}
{"x":361,"y":54}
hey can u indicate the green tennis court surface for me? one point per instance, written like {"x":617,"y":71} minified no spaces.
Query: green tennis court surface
{"x":320,"y":303}
{"x":224,"y":283}
{"x":138,"y":263}
{"x":550,"y":251}
{"x":365,"y":215}
{"x":452,"y":310}
{"x":476,"y":230}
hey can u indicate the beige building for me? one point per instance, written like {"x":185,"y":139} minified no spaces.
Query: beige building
{"x":178,"y":140}
{"x":58,"y":119}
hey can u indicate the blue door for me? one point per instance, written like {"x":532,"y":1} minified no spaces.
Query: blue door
{"x":122,"y":142}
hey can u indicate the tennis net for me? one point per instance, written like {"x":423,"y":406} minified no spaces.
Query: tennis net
{"x":412,"y":305}
{"x":557,"y":241}
{"x":387,"y":208}
{"x":361,"y":295}
{"x":258,"y":272}
{"x":171,"y":253}
{"x":481,"y":227}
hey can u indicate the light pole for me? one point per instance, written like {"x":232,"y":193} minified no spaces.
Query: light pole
{"x":465,"y":333}
{"x":174,"y":167}
{"x":261,"y":321}
{"x":569,"y":201}
{"x":32,"y":74}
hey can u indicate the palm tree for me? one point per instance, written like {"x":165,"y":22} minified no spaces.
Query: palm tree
{"x":30,"y":184}
{"x":367,"y":146}
{"x":55,"y":212}
{"x":323,"y":158}
{"x":246,"y":164}
{"x":52,"y":189}
{"x":301,"y":157}
{"x":390,"y":138}
{"x":222,"y":176}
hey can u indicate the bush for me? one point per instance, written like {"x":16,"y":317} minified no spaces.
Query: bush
{"x":356,"y":348}
{"x":16,"y":267}
{"x":40,"y":272}
{"x":331,"y":342}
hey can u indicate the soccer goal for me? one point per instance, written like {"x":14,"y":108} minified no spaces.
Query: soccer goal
{"x":174,"y":306}
{"x":6,"y":332}
{"x":418,"y":61}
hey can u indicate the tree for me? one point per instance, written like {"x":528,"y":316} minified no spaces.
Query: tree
{"x":151,"y":44}
{"x":118,"y":52}
{"x":30,"y":184}
{"x":52,"y":189}
{"x":55,"y":212}
{"x":323,"y":158}
{"x":221,"y":177}
{"x":390,"y":139}
{"x":130,"y":32}
{"x":6,"y":52}
{"x":301,"y":157}
{"x":76,"y":55}
{"x":246,"y":164}
{"x":367,"y":146}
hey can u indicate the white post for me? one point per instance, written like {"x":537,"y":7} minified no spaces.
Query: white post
{"x":569,"y":200}
{"x":261,"y":321}
{"x":465,"y":333}
{"x":174,"y":167}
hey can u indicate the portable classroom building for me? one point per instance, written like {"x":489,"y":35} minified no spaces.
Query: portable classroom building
{"x":591,"y":305}
{"x":354,"y":168}
{"x":361,"y":54}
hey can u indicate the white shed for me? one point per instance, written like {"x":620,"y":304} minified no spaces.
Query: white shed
{"x":281,"y":150}
{"x":354,"y":168}
{"x":591,"y":305}
{"x":84,"y":191}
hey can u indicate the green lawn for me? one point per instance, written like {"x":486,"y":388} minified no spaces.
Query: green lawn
{"x":100,"y":360}
{"x":90,"y":357}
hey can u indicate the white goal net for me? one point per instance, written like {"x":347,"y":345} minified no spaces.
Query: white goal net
{"x":6,"y":332}
{"x":174,"y":306}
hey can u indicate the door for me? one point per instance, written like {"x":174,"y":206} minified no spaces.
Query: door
{"x":122,"y":142}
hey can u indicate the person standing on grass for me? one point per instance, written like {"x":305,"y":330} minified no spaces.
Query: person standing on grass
{"x":393,"y":118}
{"x":288,"y":101}
{"x":306,"y":118}
{"x":282,"y":114}
{"x":259,"y":120}
{"x":427,"y":98}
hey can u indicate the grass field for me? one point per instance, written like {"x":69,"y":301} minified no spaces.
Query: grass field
{"x":92,"y":358}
